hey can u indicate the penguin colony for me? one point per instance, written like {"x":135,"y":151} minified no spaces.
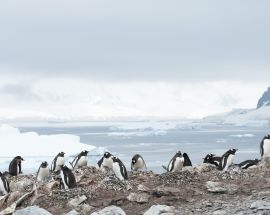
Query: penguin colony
{"x":59,"y":171}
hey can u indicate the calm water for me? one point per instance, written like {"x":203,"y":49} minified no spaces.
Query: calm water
{"x":157,"y":146}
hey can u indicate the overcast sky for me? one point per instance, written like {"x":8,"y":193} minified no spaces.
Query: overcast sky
{"x":124,"y":45}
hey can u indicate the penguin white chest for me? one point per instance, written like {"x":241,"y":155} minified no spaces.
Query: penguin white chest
{"x":178,"y":164}
{"x":43,"y":173}
{"x":229,"y":162}
{"x":59,"y":162}
{"x":266,"y":148}
{"x":139,"y":164}
{"x":2,"y":188}
{"x":108,"y":162}
{"x":117,"y":170}
{"x":82,"y":161}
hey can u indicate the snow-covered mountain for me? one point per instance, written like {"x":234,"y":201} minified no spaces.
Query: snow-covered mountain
{"x":259,"y":116}
{"x":265,"y":99}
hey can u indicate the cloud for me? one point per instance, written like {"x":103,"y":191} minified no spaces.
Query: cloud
{"x":136,"y":41}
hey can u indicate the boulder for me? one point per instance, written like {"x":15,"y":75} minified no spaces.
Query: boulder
{"x":111,"y":210}
{"x":218,"y":187}
{"x":160,"y":209}
{"x":260,"y":205}
{"x":138,"y":197}
{"x":73,"y":203}
{"x":32,"y":210}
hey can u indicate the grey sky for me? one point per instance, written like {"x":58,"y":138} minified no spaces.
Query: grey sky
{"x":137,"y":40}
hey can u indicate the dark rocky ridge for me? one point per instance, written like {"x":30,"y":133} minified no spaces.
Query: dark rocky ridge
{"x":195,"y":190}
{"x":265,"y":99}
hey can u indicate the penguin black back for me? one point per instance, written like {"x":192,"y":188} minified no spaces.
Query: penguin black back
{"x":187,"y":161}
{"x":212,"y":159}
{"x":227,"y":159}
{"x":248,"y":163}
{"x":122,"y":167}
{"x":68,"y":177}
{"x":15,"y":166}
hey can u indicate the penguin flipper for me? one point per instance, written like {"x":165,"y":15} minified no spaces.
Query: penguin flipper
{"x":166,"y":168}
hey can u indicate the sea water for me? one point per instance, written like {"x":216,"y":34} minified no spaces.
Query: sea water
{"x":158,"y":144}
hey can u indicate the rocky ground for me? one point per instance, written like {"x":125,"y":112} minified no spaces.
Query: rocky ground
{"x":195,"y":190}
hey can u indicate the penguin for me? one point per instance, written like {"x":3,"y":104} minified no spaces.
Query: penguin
{"x":212,"y":159}
{"x":43,"y":171}
{"x":265,"y":146}
{"x":4,"y":185}
{"x":227,"y":159}
{"x":187,"y":161}
{"x":58,"y":161}
{"x":80,"y":160}
{"x":176,"y":163}
{"x":68,"y":180}
{"x":15,"y":166}
{"x":106,"y":161}
{"x":119,"y":169}
{"x":138,"y":163}
{"x":248,"y":163}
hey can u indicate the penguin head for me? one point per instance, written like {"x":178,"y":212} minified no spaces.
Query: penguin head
{"x":84,"y":153}
{"x":133,"y":161}
{"x":115,"y":159}
{"x":107,"y":155}
{"x":267,"y":136}
{"x":208,"y":158}
{"x":61,"y":154}
{"x":178,"y":154}
{"x":44,"y":164}
{"x":232,"y":151}
{"x":19,"y":158}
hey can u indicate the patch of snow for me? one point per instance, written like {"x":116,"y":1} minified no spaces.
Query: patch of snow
{"x":242,"y":135}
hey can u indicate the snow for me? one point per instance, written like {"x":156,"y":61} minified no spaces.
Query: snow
{"x":16,"y":143}
{"x":243,"y":117}
{"x":242,"y":135}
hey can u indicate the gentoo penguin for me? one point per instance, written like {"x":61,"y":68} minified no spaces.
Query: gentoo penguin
{"x":15,"y":166}
{"x":212,"y":159}
{"x":227,"y":159}
{"x":58,"y":161}
{"x":119,"y":169}
{"x":248,"y":163}
{"x":187,"y":161}
{"x":68,"y":180}
{"x":176,"y":163}
{"x":80,"y":160}
{"x":43,"y":171}
{"x":265,"y":146}
{"x":137,"y":163}
{"x":106,"y":161}
{"x":4,"y":185}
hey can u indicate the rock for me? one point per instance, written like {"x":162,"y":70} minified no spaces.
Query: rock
{"x":23,"y":184}
{"x":160,"y":209}
{"x":111,"y":210}
{"x":2,"y":200}
{"x":73,"y":212}
{"x":220,"y":212}
{"x":143,"y":188}
{"x":13,"y":197}
{"x":217,"y":187}
{"x":84,"y":208}
{"x":138,"y":197}
{"x":32,"y":210}
{"x":205,"y":167}
{"x":260,"y":205}
{"x":49,"y":186}
{"x":76,"y":201}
